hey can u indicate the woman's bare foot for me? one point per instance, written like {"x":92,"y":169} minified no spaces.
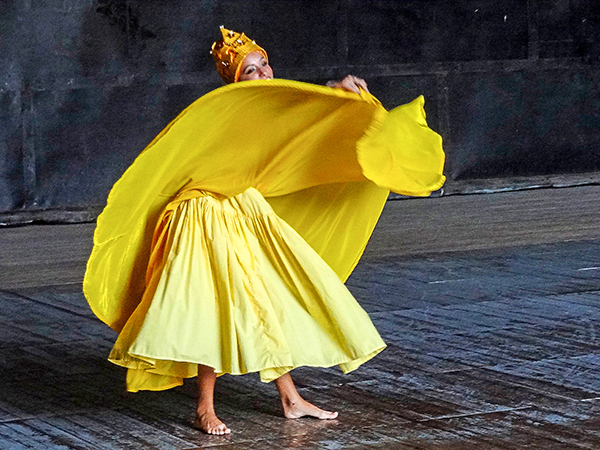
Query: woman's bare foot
{"x":302,"y":408}
{"x":210,"y":423}
{"x":294,"y":406}
{"x":206,"y":418}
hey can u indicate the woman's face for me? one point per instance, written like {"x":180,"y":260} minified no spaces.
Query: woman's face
{"x":255,"y":67}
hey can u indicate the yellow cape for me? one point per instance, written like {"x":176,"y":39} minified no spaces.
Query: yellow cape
{"x":324,"y":158}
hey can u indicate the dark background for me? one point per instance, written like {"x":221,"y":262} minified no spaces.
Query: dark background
{"x":511,"y":85}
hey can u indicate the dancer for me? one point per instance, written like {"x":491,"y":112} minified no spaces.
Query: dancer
{"x":231,"y":287}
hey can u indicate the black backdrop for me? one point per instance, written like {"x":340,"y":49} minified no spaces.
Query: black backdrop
{"x":512,"y":85}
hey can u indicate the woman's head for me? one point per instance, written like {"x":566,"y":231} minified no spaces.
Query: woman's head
{"x":239,"y":58}
{"x":255,"y":67}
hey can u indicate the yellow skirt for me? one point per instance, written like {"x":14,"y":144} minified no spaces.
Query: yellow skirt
{"x":237,"y":289}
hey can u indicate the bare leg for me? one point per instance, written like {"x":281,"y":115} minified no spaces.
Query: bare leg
{"x":295,"y":406}
{"x":206,"y":418}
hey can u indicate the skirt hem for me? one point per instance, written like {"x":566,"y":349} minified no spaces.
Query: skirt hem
{"x":266,"y":373}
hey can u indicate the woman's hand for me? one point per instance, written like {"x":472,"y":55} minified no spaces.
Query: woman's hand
{"x":350,"y":83}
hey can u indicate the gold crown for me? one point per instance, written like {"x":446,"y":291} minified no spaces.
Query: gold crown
{"x":229,"y":52}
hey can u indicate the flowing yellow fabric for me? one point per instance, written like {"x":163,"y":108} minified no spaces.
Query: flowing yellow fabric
{"x":232,"y":286}
{"x":322,"y":157}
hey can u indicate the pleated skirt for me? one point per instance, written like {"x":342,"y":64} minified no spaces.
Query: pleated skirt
{"x":237,"y":289}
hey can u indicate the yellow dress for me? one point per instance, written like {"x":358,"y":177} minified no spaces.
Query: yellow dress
{"x":227,"y":241}
{"x":237,"y":289}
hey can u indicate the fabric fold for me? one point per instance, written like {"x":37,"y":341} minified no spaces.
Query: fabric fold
{"x":322,"y":157}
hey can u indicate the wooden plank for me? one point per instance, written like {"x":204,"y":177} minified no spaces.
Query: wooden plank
{"x":8,"y":413}
{"x":489,"y":221}
{"x":401,"y":358}
{"x":17,"y":398}
{"x":101,"y":441}
{"x":52,"y":273}
{"x":545,"y":388}
{"x":534,"y":344}
{"x":503,"y":346}
{"x":75,"y":357}
{"x":590,"y":298}
{"x":437,"y":435}
{"x":521,"y":310}
{"x":36,"y":434}
{"x":54,"y":243}
{"x":574,"y":372}
{"x":13,"y":336}
{"x":583,"y":328}
{"x":120,"y":430}
{"x":66,"y":297}
{"x":443,"y":319}
{"x":13,"y":440}
{"x":564,"y":339}
{"x":42,"y":321}
{"x":508,"y":430}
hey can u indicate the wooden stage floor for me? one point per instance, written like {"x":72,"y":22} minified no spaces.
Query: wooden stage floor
{"x":490,"y":305}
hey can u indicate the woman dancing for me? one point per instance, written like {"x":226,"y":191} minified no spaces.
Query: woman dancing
{"x":230,"y":287}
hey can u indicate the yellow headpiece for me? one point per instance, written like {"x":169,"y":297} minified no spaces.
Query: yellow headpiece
{"x":230,"y":51}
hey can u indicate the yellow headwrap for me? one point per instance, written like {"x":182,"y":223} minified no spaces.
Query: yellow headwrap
{"x":229,"y":53}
